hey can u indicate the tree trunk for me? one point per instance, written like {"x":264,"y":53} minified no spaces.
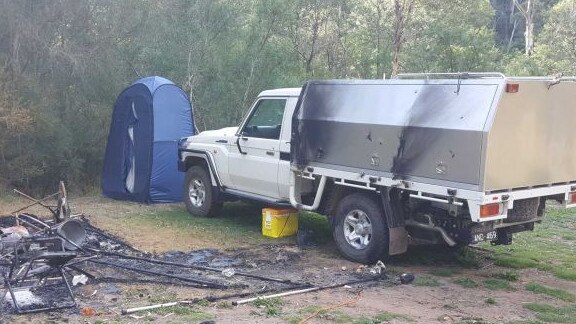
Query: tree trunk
{"x":528,"y":14}
{"x":402,"y":12}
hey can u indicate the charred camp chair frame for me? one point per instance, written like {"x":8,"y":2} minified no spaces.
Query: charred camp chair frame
{"x":53,"y":262}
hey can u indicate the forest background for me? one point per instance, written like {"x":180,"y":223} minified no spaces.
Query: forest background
{"x":63,"y":62}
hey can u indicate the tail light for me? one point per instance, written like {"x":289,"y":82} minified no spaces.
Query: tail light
{"x":490,"y":210}
{"x":512,"y":87}
{"x":572,"y":198}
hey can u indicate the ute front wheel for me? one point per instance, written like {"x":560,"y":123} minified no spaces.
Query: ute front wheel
{"x":198,"y":193}
{"x":360,"y":230}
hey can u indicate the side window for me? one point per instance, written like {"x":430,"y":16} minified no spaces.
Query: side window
{"x":266,"y":120}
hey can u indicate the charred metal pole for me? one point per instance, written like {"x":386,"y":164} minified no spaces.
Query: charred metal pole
{"x":243,"y":274}
{"x":209,"y":298}
{"x":311,"y":289}
{"x":18,"y":219}
{"x":204,"y":283}
{"x":46,"y":226}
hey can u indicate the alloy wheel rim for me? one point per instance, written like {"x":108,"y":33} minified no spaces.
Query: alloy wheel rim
{"x":197,"y":192}
{"x":357,"y":229}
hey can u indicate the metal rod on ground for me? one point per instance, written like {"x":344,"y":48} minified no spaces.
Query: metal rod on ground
{"x":46,"y":226}
{"x":207,"y":284}
{"x":302,"y":291}
{"x":76,"y":261}
{"x":18,"y":219}
{"x":243,"y":274}
{"x":196,"y":300}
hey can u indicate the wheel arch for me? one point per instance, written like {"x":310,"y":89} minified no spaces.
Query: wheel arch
{"x":334,"y":193}
{"x":203,"y":159}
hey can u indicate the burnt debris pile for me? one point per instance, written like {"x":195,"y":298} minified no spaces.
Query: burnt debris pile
{"x":43,"y":260}
{"x":40,"y":266}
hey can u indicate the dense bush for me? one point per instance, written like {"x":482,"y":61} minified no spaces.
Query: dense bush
{"x":65,"y":61}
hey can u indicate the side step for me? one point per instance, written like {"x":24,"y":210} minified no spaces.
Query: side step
{"x":254,"y":197}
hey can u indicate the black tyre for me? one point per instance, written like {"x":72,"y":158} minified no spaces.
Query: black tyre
{"x":360,"y":229}
{"x":198,"y":193}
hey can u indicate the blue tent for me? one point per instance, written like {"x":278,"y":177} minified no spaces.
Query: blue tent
{"x":140,"y":164}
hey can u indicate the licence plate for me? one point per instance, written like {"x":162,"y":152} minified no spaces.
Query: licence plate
{"x":488,"y":236}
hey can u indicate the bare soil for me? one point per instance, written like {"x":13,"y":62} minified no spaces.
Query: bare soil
{"x":438,"y":299}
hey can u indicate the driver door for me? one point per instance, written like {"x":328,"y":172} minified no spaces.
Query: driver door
{"x":253,"y":167}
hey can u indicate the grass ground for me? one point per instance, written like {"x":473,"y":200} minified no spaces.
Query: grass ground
{"x":531,"y":281}
{"x":550,"y":247}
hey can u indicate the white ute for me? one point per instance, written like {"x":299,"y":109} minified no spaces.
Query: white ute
{"x":453,"y":158}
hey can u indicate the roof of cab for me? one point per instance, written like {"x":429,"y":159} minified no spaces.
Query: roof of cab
{"x":284,"y":92}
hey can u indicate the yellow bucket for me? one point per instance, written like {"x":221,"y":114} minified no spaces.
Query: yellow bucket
{"x":279,"y":222}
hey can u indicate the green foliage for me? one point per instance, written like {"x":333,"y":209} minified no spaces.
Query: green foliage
{"x":64,"y":63}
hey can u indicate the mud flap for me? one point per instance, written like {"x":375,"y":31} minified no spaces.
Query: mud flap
{"x":398,"y":243}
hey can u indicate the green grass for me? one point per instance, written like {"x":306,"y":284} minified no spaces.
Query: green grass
{"x":187,"y":313}
{"x":490,"y":301}
{"x":238,"y":222}
{"x":497,"y":284}
{"x":548,"y":248}
{"x":569,"y":237}
{"x":441,"y":257}
{"x":554,"y":292}
{"x":468,"y":258}
{"x":466,"y":282}
{"x":318,"y":225}
{"x":272,"y":306}
{"x":562,"y":273}
{"x":426,"y":281}
{"x":473,"y":320}
{"x":443,"y":272}
{"x":333,"y":316}
{"x":380,"y":318}
{"x":515,"y":262}
{"x":552,"y":314}
{"x":507,"y":275}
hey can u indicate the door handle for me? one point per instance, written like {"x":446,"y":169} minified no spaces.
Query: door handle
{"x":271,"y":153}
{"x":221,"y":141}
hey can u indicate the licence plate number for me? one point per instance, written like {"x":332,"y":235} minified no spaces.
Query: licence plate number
{"x":489,"y":236}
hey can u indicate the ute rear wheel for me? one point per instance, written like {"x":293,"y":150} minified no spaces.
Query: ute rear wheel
{"x":198,"y":193}
{"x":360,"y":231}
